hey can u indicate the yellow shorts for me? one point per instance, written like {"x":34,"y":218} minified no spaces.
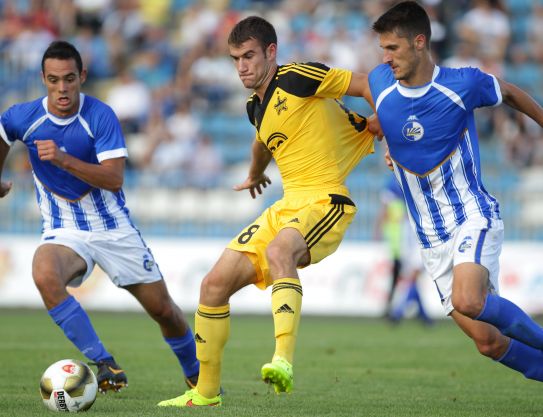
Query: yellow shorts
{"x":322,"y":220}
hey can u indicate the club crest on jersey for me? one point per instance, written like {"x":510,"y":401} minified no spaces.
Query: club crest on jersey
{"x":413,"y":130}
{"x":465,"y":245}
{"x":280,"y":105}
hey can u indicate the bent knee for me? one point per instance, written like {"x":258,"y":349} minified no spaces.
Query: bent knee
{"x":214,"y":290}
{"x":281,"y":260}
{"x":468,"y":306}
{"x":165,"y":311}
{"x":47,"y":280}
{"x":492,"y":349}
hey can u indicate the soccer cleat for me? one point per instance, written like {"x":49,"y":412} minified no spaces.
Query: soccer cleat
{"x":110,"y":376}
{"x":192,"y":398}
{"x":278,"y":373}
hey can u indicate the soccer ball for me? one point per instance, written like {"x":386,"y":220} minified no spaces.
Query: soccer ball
{"x":68,"y":385}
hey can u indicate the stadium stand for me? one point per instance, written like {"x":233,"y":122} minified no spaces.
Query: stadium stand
{"x":176,"y":51}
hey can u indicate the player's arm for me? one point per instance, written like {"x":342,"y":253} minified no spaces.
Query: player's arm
{"x":4,"y":186}
{"x":108,"y":175}
{"x":360,"y":87}
{"x":260,"y":158}
{"x":521,"y":101}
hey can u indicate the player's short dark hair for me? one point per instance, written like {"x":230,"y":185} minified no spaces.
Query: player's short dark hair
{"x":253,"y":27}
{"x":406,"y":19}
{"x":62,"y":50}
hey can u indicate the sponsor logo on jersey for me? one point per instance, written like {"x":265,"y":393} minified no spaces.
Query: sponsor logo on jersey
{"x":275,"y":140}
{"x":412,"y":130}
{"x":466,"y":244}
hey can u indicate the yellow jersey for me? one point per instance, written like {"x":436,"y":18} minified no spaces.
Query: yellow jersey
{"x":315,"y":140}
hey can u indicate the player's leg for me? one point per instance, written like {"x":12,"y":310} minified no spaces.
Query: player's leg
{"x":232,"y":272}
{"x":53,"y":267}
{"x":475,"y":285}
{"x":284,"y":254}
{"x":395,"y":278}
{"x":313,"y":233}
{"x":156,"y":300}
{"x":492,"y":343}
{"x":471,"y":298}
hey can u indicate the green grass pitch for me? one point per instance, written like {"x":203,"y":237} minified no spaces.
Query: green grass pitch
{"x":344,"y":367}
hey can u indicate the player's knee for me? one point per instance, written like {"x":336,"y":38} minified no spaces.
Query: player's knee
{"x":46,"y":281}
{"x":214,"y":290}
{"x":278,"y":257}
{"x":490,"y":348}
{"x":163,"y":311}
{"x":467,"y":305}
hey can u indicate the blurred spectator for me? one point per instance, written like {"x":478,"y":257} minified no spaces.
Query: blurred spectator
{"x":535,"y":29}
{"x":94,"y":52}
{"x":145,"y":51}
{"x":213,"y":76}
{"x":486,"y":25}
{"x":171,"y":146}
{"x":464,"y":56}
{"x":131,"y":100}
{"x":205,"y":167}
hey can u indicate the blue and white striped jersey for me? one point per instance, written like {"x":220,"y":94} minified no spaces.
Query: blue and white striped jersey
{"x":92,"y":135}
{"x":431,"y":135}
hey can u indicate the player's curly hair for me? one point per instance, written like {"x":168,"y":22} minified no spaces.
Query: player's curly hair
{"x":253,"y":27}
{"x":62,"y":50}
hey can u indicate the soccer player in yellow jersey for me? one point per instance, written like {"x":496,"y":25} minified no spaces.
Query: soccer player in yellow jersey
{"x":316,"y":141}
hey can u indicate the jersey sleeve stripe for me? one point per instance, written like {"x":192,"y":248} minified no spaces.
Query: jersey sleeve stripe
{"x":498,"y":91}
{"x":309,"y":68}
{"x":114,"y":153}
{"x":4,"y":135}
{"x":303,"y":72}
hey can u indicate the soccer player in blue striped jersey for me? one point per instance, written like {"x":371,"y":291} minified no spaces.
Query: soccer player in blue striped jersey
{"x":427,"y":116}
{"x":77,"y":152}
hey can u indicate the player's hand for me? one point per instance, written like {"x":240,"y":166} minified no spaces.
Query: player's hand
{"x":254,"y":185}
{"x":49,"y":151}
{"x":388,"y":160}
{"x":375,"y":127}
{"x":4,"y":188}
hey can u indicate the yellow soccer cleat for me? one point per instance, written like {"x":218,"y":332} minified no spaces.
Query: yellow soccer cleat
{"x":279,"y":374}
{"x":192,"y":398}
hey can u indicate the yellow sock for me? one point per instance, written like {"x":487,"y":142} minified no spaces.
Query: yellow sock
{"x":212,"y":329}
{"x":286,"y":309}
